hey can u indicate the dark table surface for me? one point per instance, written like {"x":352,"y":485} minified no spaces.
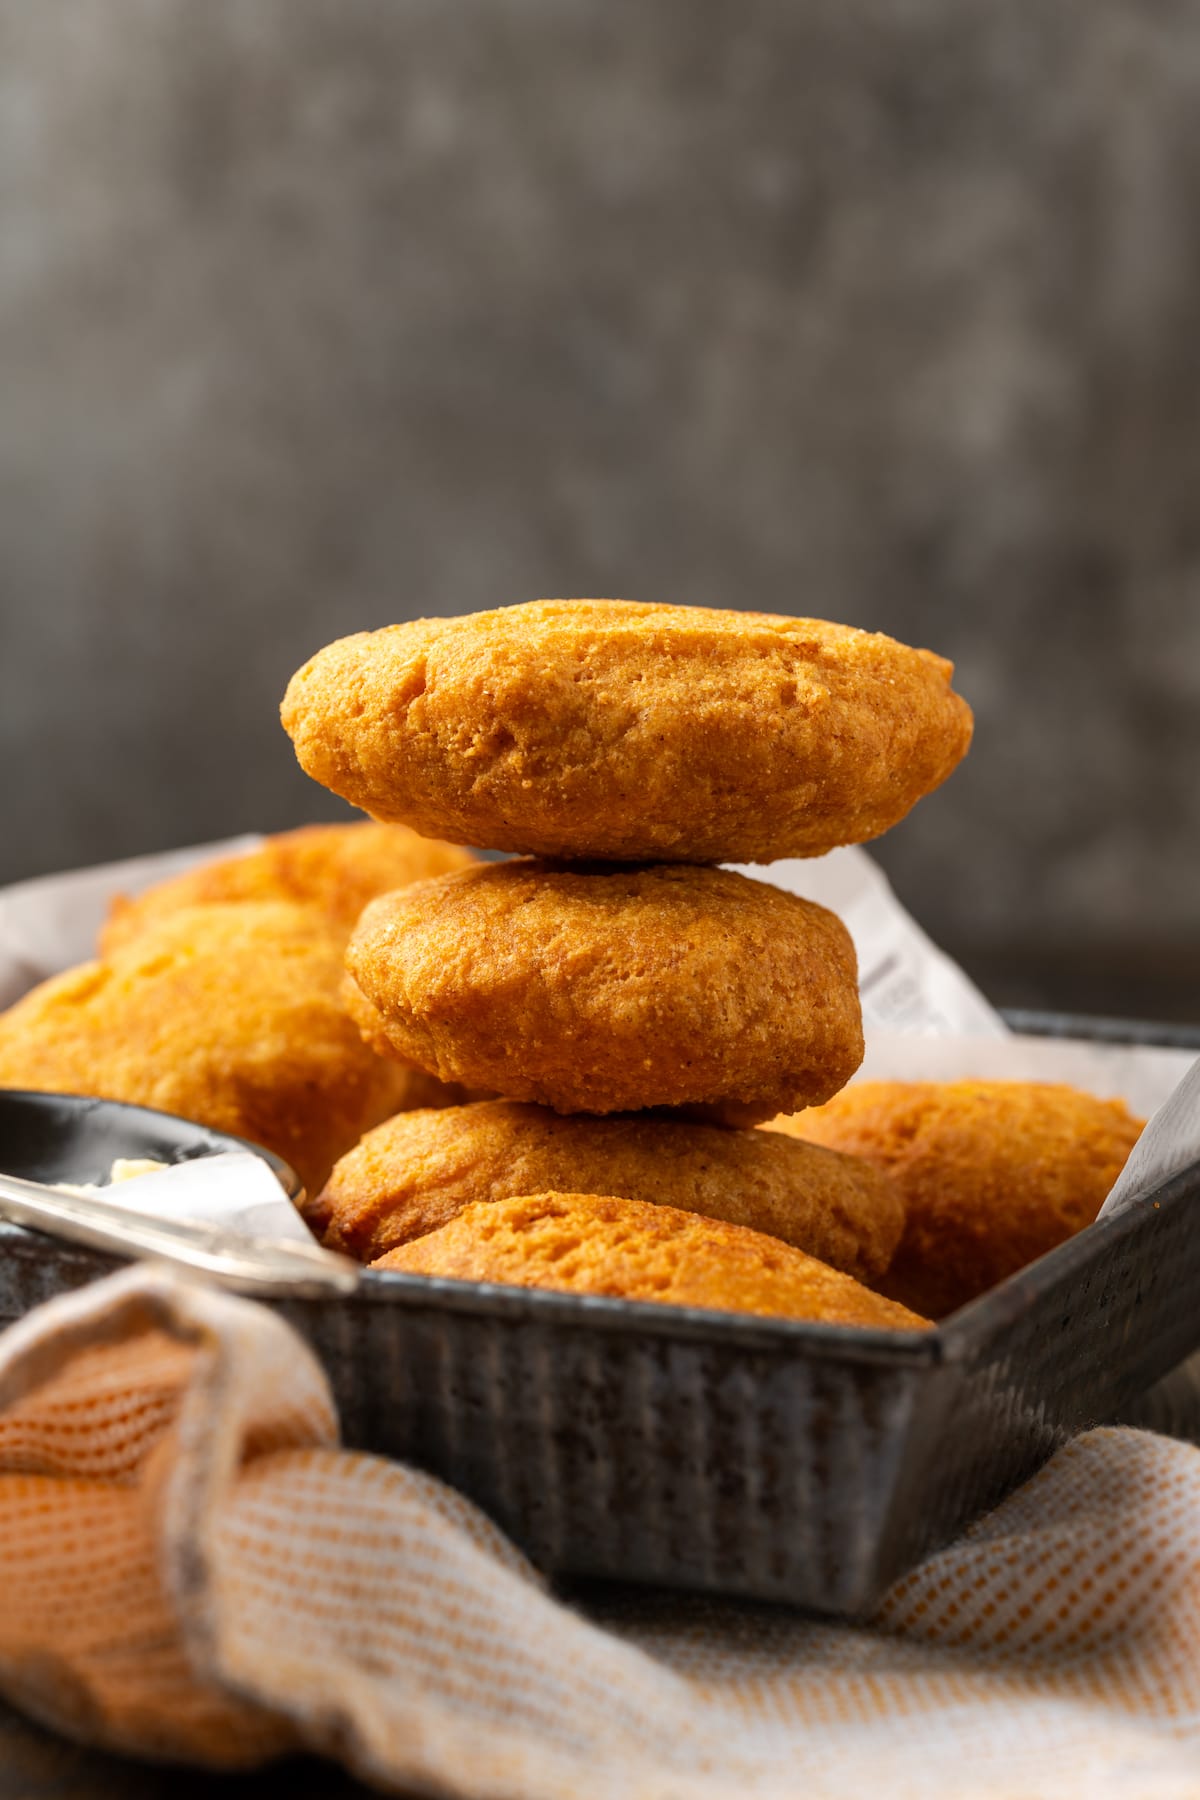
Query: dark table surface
{"x":36,"y":1764}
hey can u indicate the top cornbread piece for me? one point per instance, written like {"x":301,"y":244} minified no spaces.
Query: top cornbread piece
{"x":609,"y":729}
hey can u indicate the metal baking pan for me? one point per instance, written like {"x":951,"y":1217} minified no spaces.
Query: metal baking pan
{"x":761,"y":1457}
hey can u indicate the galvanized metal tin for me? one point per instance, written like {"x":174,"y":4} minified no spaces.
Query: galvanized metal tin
{"x":760,"y":1457}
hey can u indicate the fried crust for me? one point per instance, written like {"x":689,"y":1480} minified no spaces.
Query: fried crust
{"x":611,"y":990}
{"x":993,"y":1173}
{"x":335,"y":868}
{"x":229,"y":1015}
{"x":605,"y":728}
{"x":416,"y":1172}
{"x":599,"y":1244}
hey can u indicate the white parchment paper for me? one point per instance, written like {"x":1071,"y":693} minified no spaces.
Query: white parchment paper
{"x":906,"y":983}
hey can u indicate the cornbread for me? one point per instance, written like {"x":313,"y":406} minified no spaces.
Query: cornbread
{"x":605,"y":728}
{"x":603,"y":990}
{"x":993,"y":1173}
{"x":417,"y":1171}
{"x":335,"y":868}
{"x":229,"y":1015}
{"x":598,"y":1244}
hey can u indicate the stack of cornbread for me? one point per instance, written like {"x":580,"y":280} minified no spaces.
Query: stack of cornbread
{"x":626,"y":1009}
{"x":636,"y":1008}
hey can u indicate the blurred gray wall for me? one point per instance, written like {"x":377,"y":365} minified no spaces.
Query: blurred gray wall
{"x":316,"y":314}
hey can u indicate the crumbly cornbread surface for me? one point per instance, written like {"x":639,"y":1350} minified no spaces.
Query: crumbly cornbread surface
{"x":229,"y":1015}
{"x":993,"y":1173}
{"x":334,"y":868}
{"x":609,"y":990}
{"x":417,"y":1171}
{"x":600,"y":1244}
{"x":606,"y":728}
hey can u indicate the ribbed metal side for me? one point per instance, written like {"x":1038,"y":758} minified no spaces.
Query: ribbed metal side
{"x":632,"y":1455}
{"x":766,"y":1469}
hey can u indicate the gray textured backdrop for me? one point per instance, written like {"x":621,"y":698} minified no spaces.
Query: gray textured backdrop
{"x":316,"y":314}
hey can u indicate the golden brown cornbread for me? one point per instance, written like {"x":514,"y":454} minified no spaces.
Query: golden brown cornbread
{"x":229,"y":1015}
{"x":993,"y":1173}
{"x":598,"y":1244}
{"x":604,"y":728}
{"x":416,"y":1172}
{"x":335,"y":868}
{"x":610,"y":990}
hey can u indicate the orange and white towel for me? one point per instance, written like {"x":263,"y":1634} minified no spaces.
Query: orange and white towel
{"x":191,"y":1568}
